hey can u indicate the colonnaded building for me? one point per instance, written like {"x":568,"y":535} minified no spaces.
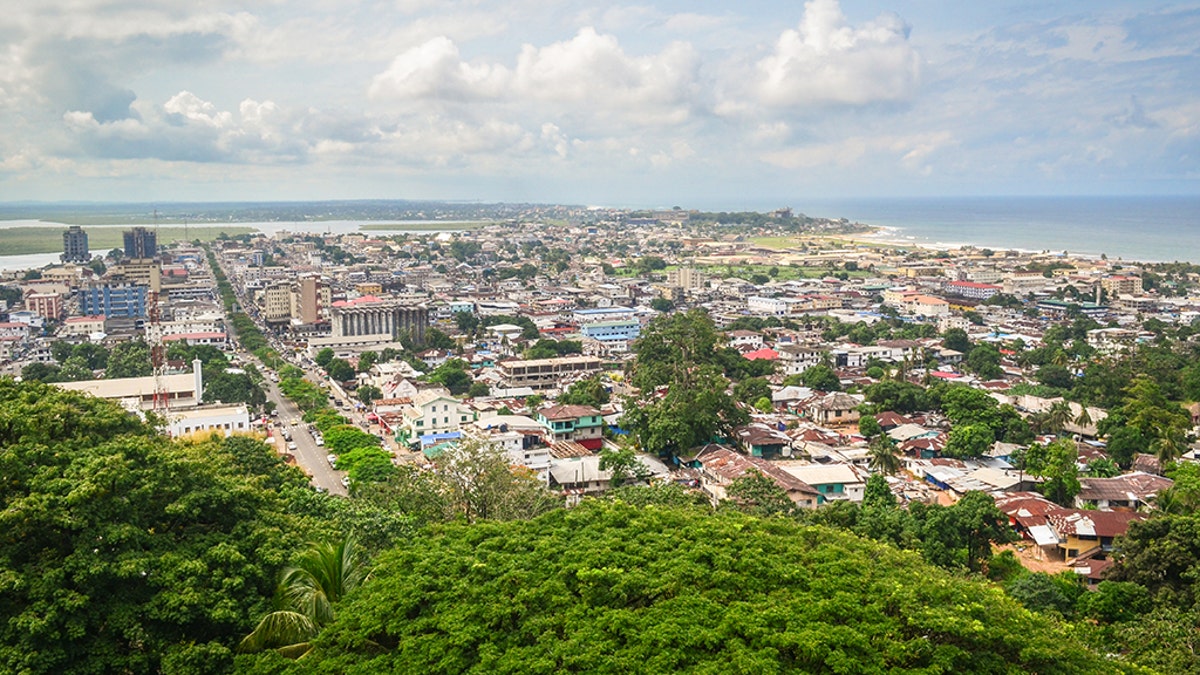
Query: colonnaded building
{"x":372,"y":316}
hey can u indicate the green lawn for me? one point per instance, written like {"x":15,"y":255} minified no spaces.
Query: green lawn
{"x":777,"y":242}
{"x":26,"y":240}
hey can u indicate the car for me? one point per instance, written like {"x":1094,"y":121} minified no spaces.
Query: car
{"x":332,"y":459}
{"x":345,"y":481}
{"x":292,"y":447}
{"x":319,"y":441}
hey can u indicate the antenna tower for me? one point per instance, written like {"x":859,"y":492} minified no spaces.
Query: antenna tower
{"x":158,"y":356}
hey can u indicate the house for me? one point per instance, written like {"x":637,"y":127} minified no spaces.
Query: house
{"x":581,"y":475}
{"x":432,"y":411}
{"x":833,"y":482}
{"x":746,"y":339}
{"x":720,"y":466}
{"x":834,"y":408}
{"x":1126,"y":492}
{"x":760,"y":440}
{"x":521,"y":438}
{"x":582,"y":424}
{"x":1082,"y":532}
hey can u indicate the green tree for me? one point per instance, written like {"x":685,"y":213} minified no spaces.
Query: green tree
{"x":1102,"y":467}
{"x":662,"y":305}
{"x":1043,"y":592}
{"x":897,"y":396}
{"x":759,"y":495}
{"x":767,"y":607}
{"x":821,"y":378}
{"x":323,"y":357}
{"x":480,"y":484}
{"x":366,"y":360}
{"x":969,"y":440}
{"x":305,"y":599}
{"x":984,"y":361}
{"x":624,"y":465}
{"x":956,"y":339}
{"x":884,"y":457}
{"x":368,"y":393}
{"x":590,"y":391}
{"x":340,"y":370}
{"x":1060,"y":471}
{"x":868,"y":426}
{"x":748,"y":391}
{"x":111,"y":532}
{"x":129,"y":359}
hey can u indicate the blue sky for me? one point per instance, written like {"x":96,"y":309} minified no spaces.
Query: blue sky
{"x":619,"y":104}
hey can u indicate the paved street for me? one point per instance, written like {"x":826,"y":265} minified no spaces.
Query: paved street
{"x":310,"y":457}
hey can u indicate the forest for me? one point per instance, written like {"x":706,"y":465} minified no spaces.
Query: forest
{"x":124,"y":551}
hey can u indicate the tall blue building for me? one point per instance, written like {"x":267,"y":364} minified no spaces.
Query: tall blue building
{"x":126,"y":300}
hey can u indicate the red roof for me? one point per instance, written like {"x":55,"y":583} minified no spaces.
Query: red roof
{"x":766,"y":354}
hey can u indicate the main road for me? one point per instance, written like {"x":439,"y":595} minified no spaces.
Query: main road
{"x":310,"y":457}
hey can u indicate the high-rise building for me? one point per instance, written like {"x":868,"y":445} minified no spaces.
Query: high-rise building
{"x":140,"y":243}
{"x":75,"y":245}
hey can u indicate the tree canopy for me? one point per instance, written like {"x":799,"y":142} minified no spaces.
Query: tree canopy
{"x":609,"y":587}
{"x":121,"y":550}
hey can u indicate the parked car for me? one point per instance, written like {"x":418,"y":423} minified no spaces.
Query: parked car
{"x":332,"y":459}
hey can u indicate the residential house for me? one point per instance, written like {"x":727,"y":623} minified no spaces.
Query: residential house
{"x":579,"y":423}
{"x":432,"y":411}
{"x":833,"y":482}
{"x":720,"y":466}
{"x":834,"y":408}
{"x":1126,"y":493}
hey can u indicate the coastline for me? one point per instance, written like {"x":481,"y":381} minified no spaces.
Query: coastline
{"x":892,"y":236}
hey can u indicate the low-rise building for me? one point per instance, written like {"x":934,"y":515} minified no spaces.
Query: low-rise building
{"x":579,"y":423}
{"x":543,"y":374}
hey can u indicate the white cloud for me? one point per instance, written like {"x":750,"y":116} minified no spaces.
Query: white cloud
{"x":590,"y":72}
{"x":435,"y":70}
{"x":825,"y":60}
{"x":907,"y":151}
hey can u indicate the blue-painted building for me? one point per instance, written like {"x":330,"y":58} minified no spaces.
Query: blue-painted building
{"x":123,"y":301}
{"x":612,"y":331}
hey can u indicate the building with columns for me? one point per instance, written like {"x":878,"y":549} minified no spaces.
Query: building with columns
{"x":372,"y":316}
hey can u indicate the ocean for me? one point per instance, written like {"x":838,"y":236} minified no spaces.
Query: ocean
{"x":1148,"y":229}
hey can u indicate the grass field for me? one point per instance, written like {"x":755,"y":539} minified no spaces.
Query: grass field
{"x":26,"y":240}
{"x":778,"y":242}
{"x":397,"y":227}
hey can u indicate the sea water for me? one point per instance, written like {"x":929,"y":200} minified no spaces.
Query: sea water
{"x":1144,"y":228}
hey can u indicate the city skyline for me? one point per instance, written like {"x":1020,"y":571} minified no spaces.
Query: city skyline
{"x":580,"y":103}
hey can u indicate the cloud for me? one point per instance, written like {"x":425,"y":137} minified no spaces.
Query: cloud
{"x":825,"y":60}
{"x":907,"y":151}
{"x":590,"y":72}
{"x":188,"y":128}
{"x":435,"y":70}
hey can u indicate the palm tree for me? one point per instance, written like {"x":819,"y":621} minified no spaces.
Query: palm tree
{"x":1058,"y":416}
{"x":323,"y":574}
{"x":1084,"y":419}
{"x":883,"y":456}
{"x":1168,"y":444}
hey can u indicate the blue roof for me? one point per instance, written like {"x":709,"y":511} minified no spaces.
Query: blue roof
{"x":430,"y":439}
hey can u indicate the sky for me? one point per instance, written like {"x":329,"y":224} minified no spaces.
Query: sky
{"x":690,"y":103}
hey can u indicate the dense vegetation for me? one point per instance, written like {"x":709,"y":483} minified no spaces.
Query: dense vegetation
{"x":613,"y":588}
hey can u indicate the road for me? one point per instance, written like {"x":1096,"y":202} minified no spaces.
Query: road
{"x":310,"y":457}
